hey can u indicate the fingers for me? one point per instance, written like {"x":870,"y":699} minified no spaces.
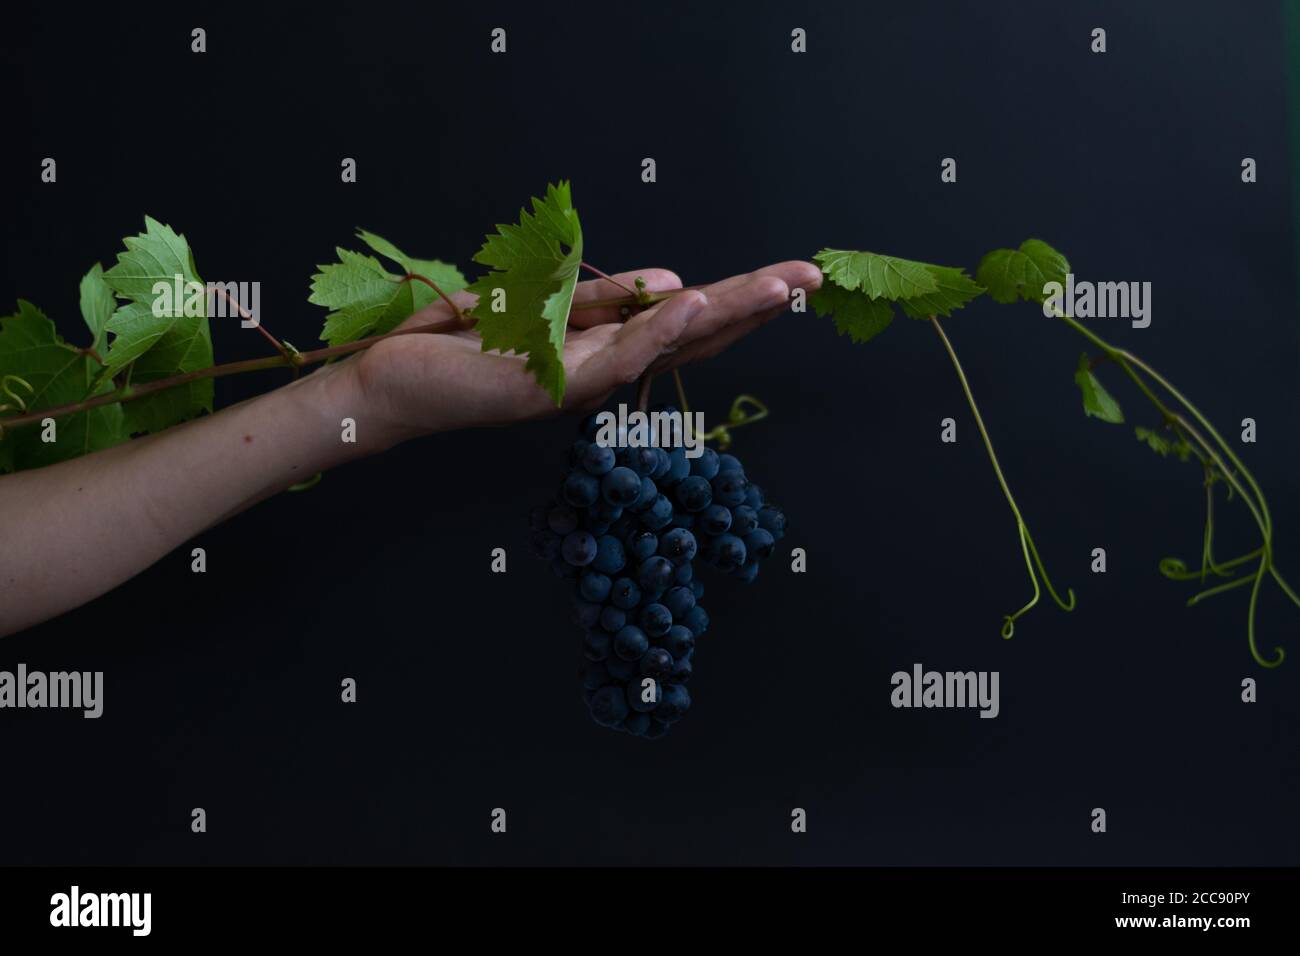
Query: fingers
{"x":635,"y":346}
{"x":737,"y":304}
{"x":708,"y":347}
{"x":656,"y":280}
{"x":794,"y":273}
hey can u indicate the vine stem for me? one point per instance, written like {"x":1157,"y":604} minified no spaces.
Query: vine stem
{"x":1032,"y":558}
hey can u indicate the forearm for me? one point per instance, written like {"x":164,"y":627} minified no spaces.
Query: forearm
{"x":77,"y":529}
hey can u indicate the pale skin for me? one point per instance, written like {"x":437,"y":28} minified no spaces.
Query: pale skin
{"x":82,"y":527}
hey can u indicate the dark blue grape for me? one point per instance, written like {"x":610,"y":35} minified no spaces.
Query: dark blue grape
{"x":730,"y":463}
{"x":652,"y":597}
{"x":678,"y":601}
{"x":642,"y":544}
{"x":657,"y":663}
{"x":598,"y":460}
{"x":729,"y":488}
{"x":637,"y":692}
{"x":655,"y":619}
{"x":576,"y":451}
{"x":679,"y":467}
{"x":676,"y":701}
{"x":696,"y":620}
{"x":609,"y":706}
{"x":621,"y":486}
{"x":637,"y":724}
{"x":624,"y":594}
{"x":663,"y":464}
{"x":610,"y":556}
{"x":579,"y":548}
{"x":727,"y":552}
{"x":658,"y":514}
{"x":697,"y":588}
{"x":754,"y":496}
{"x":612,"y":618}
{"x":747,"y":571}
{"x":682,"y":668}
{"x":683,"y":574}
{"x":744,"y":519}
{"x":759,"y":543}
{"x":642,"y":460}
{"x":602,"y":512}
{"x":620,"y":669}
{"x":655,"y":573}
{"x":562,"y":519}
{"x":678,"y":546}
{"x":596,"y":646}
{"x":705,"y":466}
{"x":589,"y":427}
{"x":646,"y":496}
{"x":715,"y":519}
{"x":594,"y":586}
{"x":581,"y":489}
{"x":546,"y":544}
{"x":630,"y":643}
{"x":694,"y":493}
{"x":772,"y":520}
{"x":682,"y":520}
{"x":680,"y":639}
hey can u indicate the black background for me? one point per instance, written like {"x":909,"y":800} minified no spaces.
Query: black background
{"x":222,"y":690}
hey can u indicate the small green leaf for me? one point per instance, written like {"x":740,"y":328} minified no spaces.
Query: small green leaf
{"x":1157,"y":442}
{"x":1011,"y":274}
{"x":97,"y":305}
{"x":1097,"y":402}
{"x":855,"y":315}
{"x":880,"y":277}
{"x":953,"y":289}
{"x":524,"y":301}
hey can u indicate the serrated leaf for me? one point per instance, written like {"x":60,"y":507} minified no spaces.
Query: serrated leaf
{"x":158,"y":254}
{"x":1097,"y":402}
{"x":537,"y":276}
{"x":857,"y":316}
{"x":1011,"y":274}
{"x":97,"y":306}
{"x":953,"y":289}
{"x":879,"y":277}
{"x":31,"y":348}
{"x":367,"y":299}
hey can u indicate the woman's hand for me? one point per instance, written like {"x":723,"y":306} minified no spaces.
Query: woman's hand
{"x":415,"y":384}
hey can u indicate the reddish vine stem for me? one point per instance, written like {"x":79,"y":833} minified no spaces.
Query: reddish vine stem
{"x":245,"y":314}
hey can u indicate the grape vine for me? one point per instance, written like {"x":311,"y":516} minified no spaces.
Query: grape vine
{"x":149,"y":364}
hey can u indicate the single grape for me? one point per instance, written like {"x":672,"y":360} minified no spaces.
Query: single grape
{"x":744,"y":519}
{"x":609,"y":706}
{"x":581,"y":489}
{"x":630,"y":643}
{"x":705,"y":466}
{"x":696,"y":620}
{"x":596,"y":646}
{"x":727,"y":552}
{"x":637,"y":724}
{"x":657,"y":663}
{"x":597,"y":459}
{"x":621,"y":486}
{"x":680,"y":466}
{"x":652,"y":597}
{"x":594,"y":586}
{"x":642,"y":544}
{"x":676,"y":701}
{"x":729,"y":488}
{"x":655,"y":573}
{"x":624,"y":594}
{"x":759,"y":543}
{"x":663,"y":464}
{"x":546,"y":544}
{"x":579,"y":548}
{"x":694,"y":493}
{"x":678,"y":546}
{"x":602,"y":512}
{"x":643,"y":460}
{"x":658,"y":514}
{"x":683,"y":574}
{"x":646,"y":496}
{"x":679,"y":640}
{"x":747,"y":571}
{"x":772,"y":520}
{"x":655,"y":619}
{"x":678,"y":601}
{"x":682,"y":668}
{"x":697,"y":588}
{"x":610,"y":556}
{"x":612,"y":618}
{"x":754,"y":497}
{"x":730,"y":463}
{"x":715,"y":519}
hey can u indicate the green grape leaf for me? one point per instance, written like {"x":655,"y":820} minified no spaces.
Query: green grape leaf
{"x":855,"y":315}
{"x":879,"y":277}
{"x":367,"y":299}
{"x":97,"y":306}
{"x":524,"y":301}
{"x":953,"y":289}
{"x":1011,"y":274}
{"x":1162,"y":445}
{"x":1097,"y":402}
{"x":59,"y":374}
{"x":160,"y":336}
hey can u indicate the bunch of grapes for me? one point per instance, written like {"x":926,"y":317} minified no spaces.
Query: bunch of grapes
{"x":626,"y":528}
